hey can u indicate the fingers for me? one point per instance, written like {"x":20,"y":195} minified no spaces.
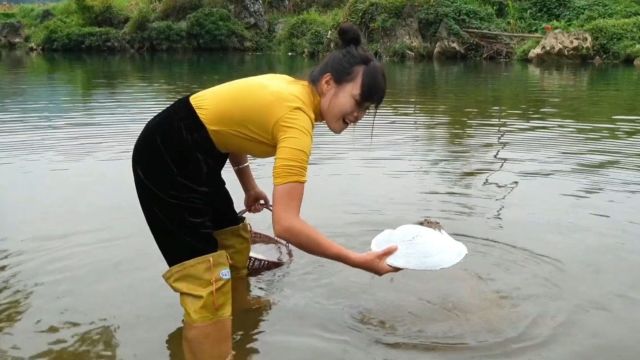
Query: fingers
{"x":256,"y":201}
{"x":393,"y":269}
{"x":265,"y":200}
{"x":256,"y":207}
{"x":389,"y":269}
{"x":388,"y":251}
{"x":383,"y":255}
{"x":375,"y":261}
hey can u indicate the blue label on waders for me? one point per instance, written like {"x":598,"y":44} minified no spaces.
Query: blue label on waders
{"x":225,"y":274}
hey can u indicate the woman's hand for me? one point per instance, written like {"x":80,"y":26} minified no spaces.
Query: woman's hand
{"x":375,"y":261}
{"x":255,"y":200}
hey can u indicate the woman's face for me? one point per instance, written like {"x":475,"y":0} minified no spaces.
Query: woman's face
{"x":340,"y":105}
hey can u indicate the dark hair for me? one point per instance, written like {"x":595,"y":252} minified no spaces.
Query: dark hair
{"x":341,"y":63}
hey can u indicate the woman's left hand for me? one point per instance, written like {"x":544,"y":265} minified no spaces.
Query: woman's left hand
{"x":255,"y":200}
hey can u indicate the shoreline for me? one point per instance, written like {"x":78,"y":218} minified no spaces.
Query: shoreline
{"x":392,"y":29}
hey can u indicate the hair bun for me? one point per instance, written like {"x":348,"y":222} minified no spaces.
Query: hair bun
{"x":349,"y":35}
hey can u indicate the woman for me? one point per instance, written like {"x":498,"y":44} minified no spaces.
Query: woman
{"x":177,"y":164}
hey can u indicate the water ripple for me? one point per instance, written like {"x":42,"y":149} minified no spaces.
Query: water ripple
{"x":500,"y":297}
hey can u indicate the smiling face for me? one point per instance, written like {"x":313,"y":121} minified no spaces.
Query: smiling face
{"x":340,"y":105}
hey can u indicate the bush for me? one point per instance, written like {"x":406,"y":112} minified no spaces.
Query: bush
{"x":547,"y":10}
{"x":4,"y":16}
{"x":616,"y":39}
{"x":458,"y":15}
{"x":33,"y":15}
{"x":301,"y":6}
{"x":375,"y":18}
{"x":633,"y":52}
{"x":401,"y":51}
{"x":380,"y":21}
{"x":215,"y":29}
{"x":101,"y":13}
{"x":178,"y":9}
{"x":140,"y":20}
{"x":160,"y":35}
{"x":501,"y":8}
{"x":308,"y":34}
{"x":522,"y":51}
{"x":61,"y":35}
{"x":587,"y":11}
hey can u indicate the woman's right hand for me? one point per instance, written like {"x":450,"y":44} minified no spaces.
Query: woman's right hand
{"x":375,"y":262}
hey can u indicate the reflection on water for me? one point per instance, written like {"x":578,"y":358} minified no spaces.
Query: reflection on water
{"x":508,"y":187}
{"x":14,"y":300}
{"x":468,"y":307}
{"x":535,"y":169}
{"x":96,"y":343}
{"x":248,"y":312}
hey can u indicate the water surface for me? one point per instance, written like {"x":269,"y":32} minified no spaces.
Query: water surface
{"x":536,"y":170}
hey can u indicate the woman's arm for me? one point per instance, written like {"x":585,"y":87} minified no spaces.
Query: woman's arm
{"x":240,"y":164}
{"x":287,"y":225}
{"x":254,"y":198}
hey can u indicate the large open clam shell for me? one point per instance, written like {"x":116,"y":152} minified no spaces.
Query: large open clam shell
{"x":420,"y":247}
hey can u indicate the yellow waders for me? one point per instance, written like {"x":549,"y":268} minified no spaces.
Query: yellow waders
{"x":204,"y":285}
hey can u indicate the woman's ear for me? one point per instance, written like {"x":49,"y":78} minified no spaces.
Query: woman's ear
{"x":326,"y":84}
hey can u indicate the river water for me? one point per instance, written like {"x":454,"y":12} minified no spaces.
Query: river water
{"x":536,"y":169}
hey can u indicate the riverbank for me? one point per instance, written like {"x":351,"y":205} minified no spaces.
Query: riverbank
{"x":535,"y":30}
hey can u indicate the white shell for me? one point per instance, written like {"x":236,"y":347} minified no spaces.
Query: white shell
{"x":420,"y":247}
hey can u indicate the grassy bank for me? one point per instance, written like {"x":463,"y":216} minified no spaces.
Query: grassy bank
{"x":392,"y":28}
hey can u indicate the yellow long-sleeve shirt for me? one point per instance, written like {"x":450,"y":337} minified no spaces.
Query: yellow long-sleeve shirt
{"x":263,"y":116}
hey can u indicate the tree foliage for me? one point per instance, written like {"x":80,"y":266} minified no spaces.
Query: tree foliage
{"x":308,"y":34}
{"x":215,"y":29}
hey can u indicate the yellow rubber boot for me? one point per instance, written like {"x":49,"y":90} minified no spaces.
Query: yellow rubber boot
{"x":204,"y":285}
{"x":236,"y":241}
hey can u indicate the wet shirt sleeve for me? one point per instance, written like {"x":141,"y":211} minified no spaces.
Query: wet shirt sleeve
{"x":294,"y":136}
